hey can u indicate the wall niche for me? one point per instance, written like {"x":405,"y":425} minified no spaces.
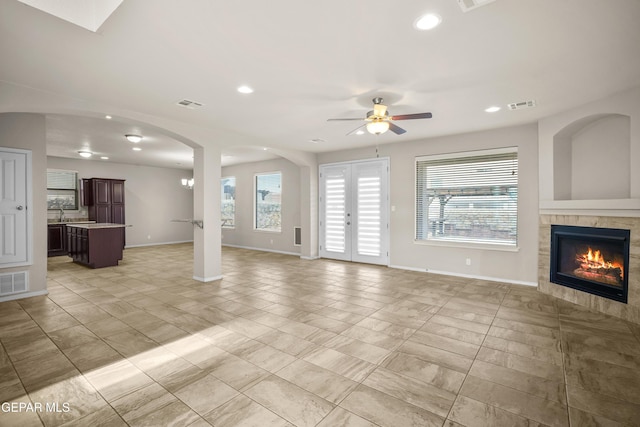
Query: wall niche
{"x":591,"y":159}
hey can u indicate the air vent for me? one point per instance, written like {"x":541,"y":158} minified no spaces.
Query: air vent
{"x":521,"y":105}
{"x":297,"y":236}
{"x":13,"y":283}
{"x":467,"y":5}
{"x":189,"y":104}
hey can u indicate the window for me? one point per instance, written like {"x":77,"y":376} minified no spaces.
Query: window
{"x":468,"y":197}
{"x":62,"y":190}
{"x":228,"y":202}
{"x":268,"y":194}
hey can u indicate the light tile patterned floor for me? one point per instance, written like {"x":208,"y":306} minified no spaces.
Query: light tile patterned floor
{"x":283,"y":341}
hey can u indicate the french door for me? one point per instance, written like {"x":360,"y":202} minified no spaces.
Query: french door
{"x":354,"y":214}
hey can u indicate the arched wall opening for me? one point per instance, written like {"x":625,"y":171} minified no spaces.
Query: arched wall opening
{"x":591,"y":158}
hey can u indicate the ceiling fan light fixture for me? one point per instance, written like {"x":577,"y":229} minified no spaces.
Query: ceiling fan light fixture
{"x":133,"y":138}
{"x":428,"y":21}
{"x":378,"y":127}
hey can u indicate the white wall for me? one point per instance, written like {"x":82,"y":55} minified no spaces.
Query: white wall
{"x":27,"y":132}
{"x":243,"y":234}
{"x":516,"y":266}
{"x":153,"y":197}
{"x":625,"y":103}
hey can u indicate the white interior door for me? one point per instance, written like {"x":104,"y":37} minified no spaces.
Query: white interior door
{"x":13,"y":207}
{"x":354,"y":214}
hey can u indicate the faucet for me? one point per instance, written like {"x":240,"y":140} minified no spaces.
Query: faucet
{"x":61,"y":215}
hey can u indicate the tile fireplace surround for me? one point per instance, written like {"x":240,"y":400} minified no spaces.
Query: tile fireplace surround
{"x":629,"y":311}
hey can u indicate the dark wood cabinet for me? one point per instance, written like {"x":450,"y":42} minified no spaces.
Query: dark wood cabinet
{"x":56,"y":239}
{"x":94,"y":246}
{"x":104,"y":199}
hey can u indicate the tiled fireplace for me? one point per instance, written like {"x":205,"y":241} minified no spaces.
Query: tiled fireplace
{"x":608,"y":284}
{"x":589,"y":201}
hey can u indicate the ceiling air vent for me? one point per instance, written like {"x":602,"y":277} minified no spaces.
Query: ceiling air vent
{"x":521,"y":105}
{"x":189,"y":104}
{"x":467,"y":5}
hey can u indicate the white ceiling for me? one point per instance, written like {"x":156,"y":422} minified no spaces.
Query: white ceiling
{"x":310,"y":61}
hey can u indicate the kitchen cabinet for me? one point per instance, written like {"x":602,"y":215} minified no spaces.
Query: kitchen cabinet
{"x":95,"y":245}
{"x":56,"y":239}
{"x":104,"y":199}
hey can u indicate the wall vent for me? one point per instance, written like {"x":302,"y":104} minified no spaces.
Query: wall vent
{"x":13,"y":283}
{"x":297,"y":236}
{"x":192,"y":105}
{"x":467,"y":5}
{"x":521,"y":105}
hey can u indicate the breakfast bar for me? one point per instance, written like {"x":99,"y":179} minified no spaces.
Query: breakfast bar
{"x":96,"y":245}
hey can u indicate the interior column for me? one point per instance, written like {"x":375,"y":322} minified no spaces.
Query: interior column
{"x":309,"y":211}
{"x":207,"y":248}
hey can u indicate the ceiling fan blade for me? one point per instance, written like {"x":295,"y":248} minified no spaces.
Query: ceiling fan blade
{"x":396,"y":129}
{"x":340,"y":120}
{"x":356,"y":129}
{"x":412,"y":116}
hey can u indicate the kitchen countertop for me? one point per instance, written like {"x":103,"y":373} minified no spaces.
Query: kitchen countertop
{"x":97,"y":225}
{"x":54,"y":222}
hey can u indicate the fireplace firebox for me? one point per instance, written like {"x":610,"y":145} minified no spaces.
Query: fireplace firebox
{"x":591,"y":259}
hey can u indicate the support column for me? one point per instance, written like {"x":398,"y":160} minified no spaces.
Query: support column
{"x":309,"y":211}
{"x":207,"y":248}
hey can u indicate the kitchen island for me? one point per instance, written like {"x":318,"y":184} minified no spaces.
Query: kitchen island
{"x":96,"y":245}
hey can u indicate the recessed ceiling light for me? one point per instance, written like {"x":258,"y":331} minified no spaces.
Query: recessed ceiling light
{"x":265,"y":148}
{"x":104,"y":158}
{"x":137,"y":149}
{"x":245,"y":89}
{"x":360,"y":132}
{"x":133,"y":138}
{"x":108,"y":117}
{"x":85,"y":153}
{"x":428,"y":21}
{"x":317,"y":140}
{"x":492,"y":109}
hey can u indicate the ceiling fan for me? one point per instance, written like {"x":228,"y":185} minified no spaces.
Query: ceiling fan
{"x":379,"y":121}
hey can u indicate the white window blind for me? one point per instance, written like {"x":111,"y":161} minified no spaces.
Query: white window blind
{"x":335,"y":211}
{"x":268,"y":195}
{"x":369,"y":215}
{"x":62,"y":180}
{"x":468,"y":197}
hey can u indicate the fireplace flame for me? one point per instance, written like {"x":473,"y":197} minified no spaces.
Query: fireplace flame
{"x":593,"y":260}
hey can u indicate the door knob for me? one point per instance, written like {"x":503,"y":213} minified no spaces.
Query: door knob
{"x":348,"y":222}
{"x":19,"y":207}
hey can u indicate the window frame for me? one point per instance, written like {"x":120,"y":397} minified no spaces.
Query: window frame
{"x":224,"y":225}
{"x":472,"y":243}
{"x":255,"y":202}
{"x":65,"y":191}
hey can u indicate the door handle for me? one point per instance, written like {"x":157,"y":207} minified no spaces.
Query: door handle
{"x":348,"y":222}
{"x":19,"y":207}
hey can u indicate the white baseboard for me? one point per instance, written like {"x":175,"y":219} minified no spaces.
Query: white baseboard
{"x":467,"y":276}
{"x":262,"y":249}
{"x":309,"y":258}
{"x":24,"y":295}
{"x":158,"y":244}
{"x":207,"y":279}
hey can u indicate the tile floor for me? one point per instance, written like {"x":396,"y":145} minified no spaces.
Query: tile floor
{"x":283,"y":341}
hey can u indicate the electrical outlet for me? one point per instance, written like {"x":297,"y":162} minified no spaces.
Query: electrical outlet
{"x":149,"y":237}
{"x":271,"y":241}
{"x":468,"y":261}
